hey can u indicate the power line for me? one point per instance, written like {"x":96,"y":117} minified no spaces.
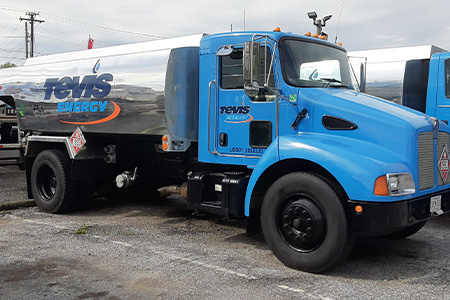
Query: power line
{"x":10,"y":8}
{"x":101,"y":28}
{"x":86,"y":24}
{"x":71,"y":37}
{"x":7,"y":39}
{"x":66,"y":38}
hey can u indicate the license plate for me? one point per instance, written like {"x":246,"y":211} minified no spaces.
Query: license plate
{"x":435,"y":204}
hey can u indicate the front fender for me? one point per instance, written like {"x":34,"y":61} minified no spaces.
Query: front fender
{"x":355,"y":164}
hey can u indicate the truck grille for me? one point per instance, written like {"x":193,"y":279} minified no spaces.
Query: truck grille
{"x":428,"y":158}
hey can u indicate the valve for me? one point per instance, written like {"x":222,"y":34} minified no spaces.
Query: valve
{"x":125,"y":179}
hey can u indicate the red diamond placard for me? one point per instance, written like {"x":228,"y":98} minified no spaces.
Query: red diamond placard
{"x":77,"y":140}
{"x":443,"y":164}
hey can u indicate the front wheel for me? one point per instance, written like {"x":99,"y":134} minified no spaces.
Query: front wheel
{"x":51,"y":185}
{"x":304,"y":223}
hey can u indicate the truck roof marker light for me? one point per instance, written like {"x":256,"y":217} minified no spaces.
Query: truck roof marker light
{"x":381,"y":186}
{"x":323,"y":37}
{"x":277,"y":29}
{"x":339,"y":44}
{"x":308,"y":34}
{"x":316,"y":35}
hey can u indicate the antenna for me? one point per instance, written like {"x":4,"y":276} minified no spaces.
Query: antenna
{"x":339,"y":20}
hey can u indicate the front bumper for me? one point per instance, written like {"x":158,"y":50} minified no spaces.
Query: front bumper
{"x":381,"y":218}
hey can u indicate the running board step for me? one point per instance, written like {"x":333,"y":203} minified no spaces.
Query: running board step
{"x":218,"y":193}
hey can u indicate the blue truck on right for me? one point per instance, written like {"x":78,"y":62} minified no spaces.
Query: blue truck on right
{"x":417,"y":77}
{"x":437,"y":102}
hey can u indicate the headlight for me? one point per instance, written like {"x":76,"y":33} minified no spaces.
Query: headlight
{"x":394,"y":185}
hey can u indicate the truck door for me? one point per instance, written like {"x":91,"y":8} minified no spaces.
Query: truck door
{"x":245,"y":126}
{"x":443,"y":91}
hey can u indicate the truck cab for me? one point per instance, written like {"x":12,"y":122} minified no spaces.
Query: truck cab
{"x":287,"y":107}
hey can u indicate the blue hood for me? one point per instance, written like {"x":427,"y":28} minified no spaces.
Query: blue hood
{"x":366,"y":111}
{"x":386,"y":137}
{"x":380,"y":122}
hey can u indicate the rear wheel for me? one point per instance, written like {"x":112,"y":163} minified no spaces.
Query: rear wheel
{"x":304,"y":223}
{"x":51,"y":185}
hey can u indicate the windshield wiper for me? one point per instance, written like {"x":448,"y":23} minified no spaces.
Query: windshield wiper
{"x":333,"y":80}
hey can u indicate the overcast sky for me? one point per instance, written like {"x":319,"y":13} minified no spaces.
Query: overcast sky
{"x":359,"y":24}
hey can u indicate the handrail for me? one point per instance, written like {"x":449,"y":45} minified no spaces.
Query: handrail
{"x":209,"y":118}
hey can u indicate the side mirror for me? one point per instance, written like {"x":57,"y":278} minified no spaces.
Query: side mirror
{"x":362,"y":79}
{"x":251,"y":61}
{"x":225,"y":50}
{"x":251,"y":68}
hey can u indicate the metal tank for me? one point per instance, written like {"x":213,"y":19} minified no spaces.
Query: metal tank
{"x":385,"y":68}
{"x":123,"y":89}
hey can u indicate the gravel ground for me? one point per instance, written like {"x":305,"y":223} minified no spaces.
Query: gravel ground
{"x":146,"y":249}
{"x":13,"y":185}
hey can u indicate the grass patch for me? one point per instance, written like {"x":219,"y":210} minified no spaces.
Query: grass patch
{"x":82,"y":229}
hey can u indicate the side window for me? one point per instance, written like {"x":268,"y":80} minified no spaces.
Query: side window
{"x":232,"y":77}
{"x":447,"y":78}
{"x":231,"y":71}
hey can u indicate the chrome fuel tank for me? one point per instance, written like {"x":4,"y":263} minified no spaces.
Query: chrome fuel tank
{"x":114,"y":90}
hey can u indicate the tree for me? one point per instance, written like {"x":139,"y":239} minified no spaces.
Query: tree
{"x":7,"y":65}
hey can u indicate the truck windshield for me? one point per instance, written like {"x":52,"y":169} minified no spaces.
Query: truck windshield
{"x":308,"y":64}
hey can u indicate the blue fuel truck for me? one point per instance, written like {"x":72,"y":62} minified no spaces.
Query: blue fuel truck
{"x":267,"y":126}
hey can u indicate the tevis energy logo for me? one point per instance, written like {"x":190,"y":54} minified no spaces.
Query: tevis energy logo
{"x":236,"y":114}
{"x":91,"y":90}
{"x":88,"y":108}
{"x":89,"y":86}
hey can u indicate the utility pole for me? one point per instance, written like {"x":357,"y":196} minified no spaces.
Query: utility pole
{"x":26,"y":39}
{"x":32,"y":18}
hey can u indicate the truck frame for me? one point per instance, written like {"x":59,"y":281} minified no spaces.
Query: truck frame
{"x":266,"y":126}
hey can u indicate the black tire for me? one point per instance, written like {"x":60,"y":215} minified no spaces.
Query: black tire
{"x":408,"y":231}
{"x":51,"y":185}
{"x":304,"y":223}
